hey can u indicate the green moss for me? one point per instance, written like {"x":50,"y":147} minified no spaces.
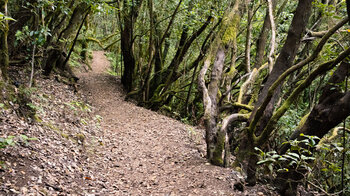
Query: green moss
{"x":37,"y":118}
{"x":65,"y":135}
{"x":231,"y":31}
{"x":51,"y":126}
{"x":302,"y":121}
{"x":219,"y":95}
{"x":219,"y":148}
{"x":80,"y":138}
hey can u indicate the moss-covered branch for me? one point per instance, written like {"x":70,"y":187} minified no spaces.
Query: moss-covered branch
{"x":332,"y":136}
{"x":282,"y":77}
{"x":4,"y":54}
{"x":236,"y":105}
{"x":231,"y":36}
{"x":317,"y":72}
{"x":91,"y":39}
{"x":233,"y":117}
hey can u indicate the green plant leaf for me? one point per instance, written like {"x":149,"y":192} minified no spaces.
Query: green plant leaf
{"x":294,"y":155}
{"x":269,"y":160}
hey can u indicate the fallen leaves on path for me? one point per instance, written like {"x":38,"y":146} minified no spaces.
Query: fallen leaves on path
{"x":132,"y":151}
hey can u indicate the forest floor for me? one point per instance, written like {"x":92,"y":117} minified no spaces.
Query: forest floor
{"x":107,"y":147}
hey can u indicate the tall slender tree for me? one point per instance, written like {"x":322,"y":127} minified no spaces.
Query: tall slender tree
{"x":4,"y":28}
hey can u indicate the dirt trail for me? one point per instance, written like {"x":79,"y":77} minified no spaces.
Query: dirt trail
{"x":145,"y":153}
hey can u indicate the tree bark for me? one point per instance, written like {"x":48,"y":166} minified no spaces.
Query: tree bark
{"x":57,"y":53}
{"x":215,"y":142}
{"x":4,"y":52}
{"x":261,"y":42}
{"x":283,"y":62}
{"x":248,"y":36}
{"x":127,"y":42}
{"x":332,"y":109}
{"x":233,"y":29}
{"x":287,"y":55}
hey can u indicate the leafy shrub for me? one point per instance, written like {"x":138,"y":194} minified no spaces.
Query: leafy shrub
{"x":13,"y":140}
{"x":298,"y":156}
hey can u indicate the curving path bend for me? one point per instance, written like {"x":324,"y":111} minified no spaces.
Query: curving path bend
{"x":145,"y":153}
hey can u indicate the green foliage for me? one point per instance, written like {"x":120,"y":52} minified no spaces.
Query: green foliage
{"x":289,"y":122}
{"x":329,"y":10}
{"x":4,"y":18}
{"x":75,"y":59}
{"x":25,"y":139}
{"x":328,"y":165}
{"x":115,"y":64}
{"x":13,"y":140}
{"x":98,"y":118}
{"x":36,"y":108}
{"x":37,"y":37}
{"x":78,"y":105}
{"x":298,"y":156}
{"x":83,"y":121}
{"x":8,"y":141}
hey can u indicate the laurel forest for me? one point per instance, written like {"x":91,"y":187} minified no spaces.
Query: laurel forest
{"x":266,"y":79}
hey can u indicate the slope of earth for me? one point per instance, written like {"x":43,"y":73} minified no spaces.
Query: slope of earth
{"x":95,"y":143}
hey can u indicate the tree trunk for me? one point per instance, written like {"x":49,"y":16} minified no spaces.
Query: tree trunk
{"x":283,"y":62}
{"x":57,"y":53}
{"x":261,"y":42}
{"x":128,"y":55}
{"x":332,"y":109}
{"x":287,"y":54}
{"x":215,"y":140}
{"x":233,"y":28}
{"x":4,"y":53}
{"x":169,"y":76}
{"x":127,"y":42}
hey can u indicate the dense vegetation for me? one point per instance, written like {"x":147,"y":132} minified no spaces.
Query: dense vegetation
{"x":267,"y":79}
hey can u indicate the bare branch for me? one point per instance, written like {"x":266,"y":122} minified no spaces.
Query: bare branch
{"x":273,"y":35}
{"x":233,"y":117}
{"x":203,"y":88}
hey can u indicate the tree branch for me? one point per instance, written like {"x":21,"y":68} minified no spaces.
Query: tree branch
{"x":282,"y":77}
{"x":273,"y":35}
{"x":318,"y":71}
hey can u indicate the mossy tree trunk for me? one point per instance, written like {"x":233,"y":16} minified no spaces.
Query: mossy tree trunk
{"x":332,"y":109}
{"x":216,"y":130}
{"x":214,"y":140}
{"x":258,"y":121}
{"x":57,"y":53}
{"x":261,"y":42}
{"x":128,"y":55}
{"x":233,"y":28}
{"x":127,"y":21}
{"x":84,"y":44}
{"x":4,"y":53}
{"x":170,"y":75}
